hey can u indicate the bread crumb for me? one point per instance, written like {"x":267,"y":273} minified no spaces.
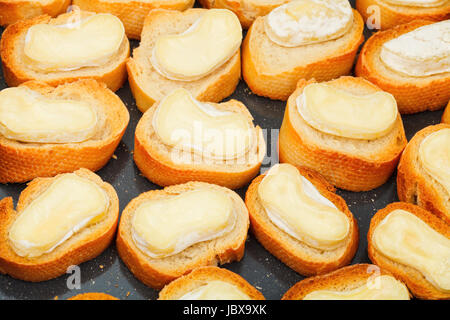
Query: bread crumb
{"x":114,"y":157}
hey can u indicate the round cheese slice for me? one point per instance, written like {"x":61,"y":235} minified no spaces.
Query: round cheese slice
{"x":418,"y":3}
{"x":216,"y":290}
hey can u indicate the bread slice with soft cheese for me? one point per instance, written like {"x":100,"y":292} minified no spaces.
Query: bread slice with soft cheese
{"x":424,"y":171}
{"x":131,"y":12}
{"x":210,"y":283}
{"x":410,"y":61}
{"x":45,"y":131}
{"x":356,"y":161}
{"x":12,"y":11}
{"x":414,"y":245}
{"x":390,"y":13}
{"x":93,"y":296}
{"x":356,"y":282}
{"x":294,"y":238}
{"x":218,"y":142}
{"x":446,"y":115}
{"x":273,"y":70}
{"x":164,"y":234}
{"x":65,"y":49}
{"x":218,"y":82}
{"x":59,"y":222}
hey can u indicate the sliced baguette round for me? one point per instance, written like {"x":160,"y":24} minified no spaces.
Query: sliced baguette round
{"x":148,"y":86}
{"x":20,"y":162}
{"x":419,"y":286}
{"x":93,"y":296}
{"x":132,"y":12}
{"x":415,"y":185}
{"x":412,"y":94}
{"x":201,"y":276}
{"x":16,"y":70}
{"x":12,"y":11}
{"x":446,"y":115}
{"x":273,"y":71}
{"x":155,"y":272}
{"x":350,"y":164}
{"x":298,"y":255}
{"x":84,"y":245}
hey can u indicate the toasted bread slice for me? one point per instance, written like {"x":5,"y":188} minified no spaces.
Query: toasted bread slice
{"x":415,"y":185}
{"x":132,"y":12}
{"x":20,"y":161}
{"x":17,"y":71}
{"x":350,"y":164}
{"x":84,"y":245}
{"x":391,"y":15}
{"x":93,"y":296}
{"x":12,"y":11}
{"x":157,"y":272}
{"x":342,"y":280}
{"x":446,"y":115}
{"x":298,"y":255}
{"x":148,"y":86}
{"x":200,"y":277}
{"x":413,"y":94}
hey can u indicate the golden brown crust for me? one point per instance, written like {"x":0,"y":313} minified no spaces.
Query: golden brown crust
{"x":13,"y":11}
{"x":414,"y":279}
{"x":446,"y":115}
{"x":93,"y":296}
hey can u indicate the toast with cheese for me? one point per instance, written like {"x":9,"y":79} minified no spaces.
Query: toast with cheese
{"x":399,"y":241}
{"x":93,"y":296}
{"x":186,"y":50}
{"x":12,"y":11}
{"x":410,"y":61}
{"x":446,"y":115}
{"x":356,"y":282}
{"x":45,"y":131}
{"x":350,"y":132}
{"x":210,"y":283}
{"x":424,"y":171}
{"x":164,"y":234}
{"x":59,"y":222}
{"x":132,"y":12}
{"x":286,"y":205}
{"x":65,"y":49}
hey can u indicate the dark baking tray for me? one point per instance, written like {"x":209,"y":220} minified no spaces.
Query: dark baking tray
{"x":108,"y":274}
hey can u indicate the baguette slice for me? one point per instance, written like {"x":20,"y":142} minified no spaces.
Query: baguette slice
{"x":415,"y":185}
{"x":155,"y":272}
{"x":132,"y":12}
{"x":20,"y":162}
{"x":148,"y":86}
{"x":201,"y":276}
{"x":350,"y":164}
{"x":419,"y":286}
{"x":16,"y":71}
{"x":412,"y":94}
{"x":345,"y":279}
{"x":391,"y":15}
{"x":297,"y":255}
{"x":84,"y":245}
{"x":446,"y":115}
{"x":12,"y":11}
{"x":93,"y":296}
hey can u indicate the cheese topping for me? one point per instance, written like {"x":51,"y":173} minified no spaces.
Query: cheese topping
{"x":295,"y":206}
{"x":90,"y":42}
{"x":182,"y":122}
{"x":166,"y":226}
{"x":383,"y":288}
{"x":422,"y":52}
{"x":28,"y":116}
{"x":210,"y":42}
{"x":408,"y":240}
{"x":418,"y":3}
{"x":344,"y":114}
{"x":303,"y":22}
{"x":434,"y":156}
{"x":216,"y":290}
{"x":70,"y":204}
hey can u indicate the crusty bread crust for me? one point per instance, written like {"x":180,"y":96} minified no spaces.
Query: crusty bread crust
{"x":412,"y":94}
{"x":344,"y":279}
{"x":344,"y":169}
{"x":82,"y":246}
{"x":16,"y":71}
{"x":414,"y":185}
{"x":414,"y":279}
{"x":20,"y":162}
{"x":93,"y":296}
{"x":13,"y":11}
{"x":392,"y":15}
{"x":156,"y":273}
{"x":200,"y":276}
{"x":446,"y":115}
{"x":297,"y":255}
{"x":132,"y":12}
